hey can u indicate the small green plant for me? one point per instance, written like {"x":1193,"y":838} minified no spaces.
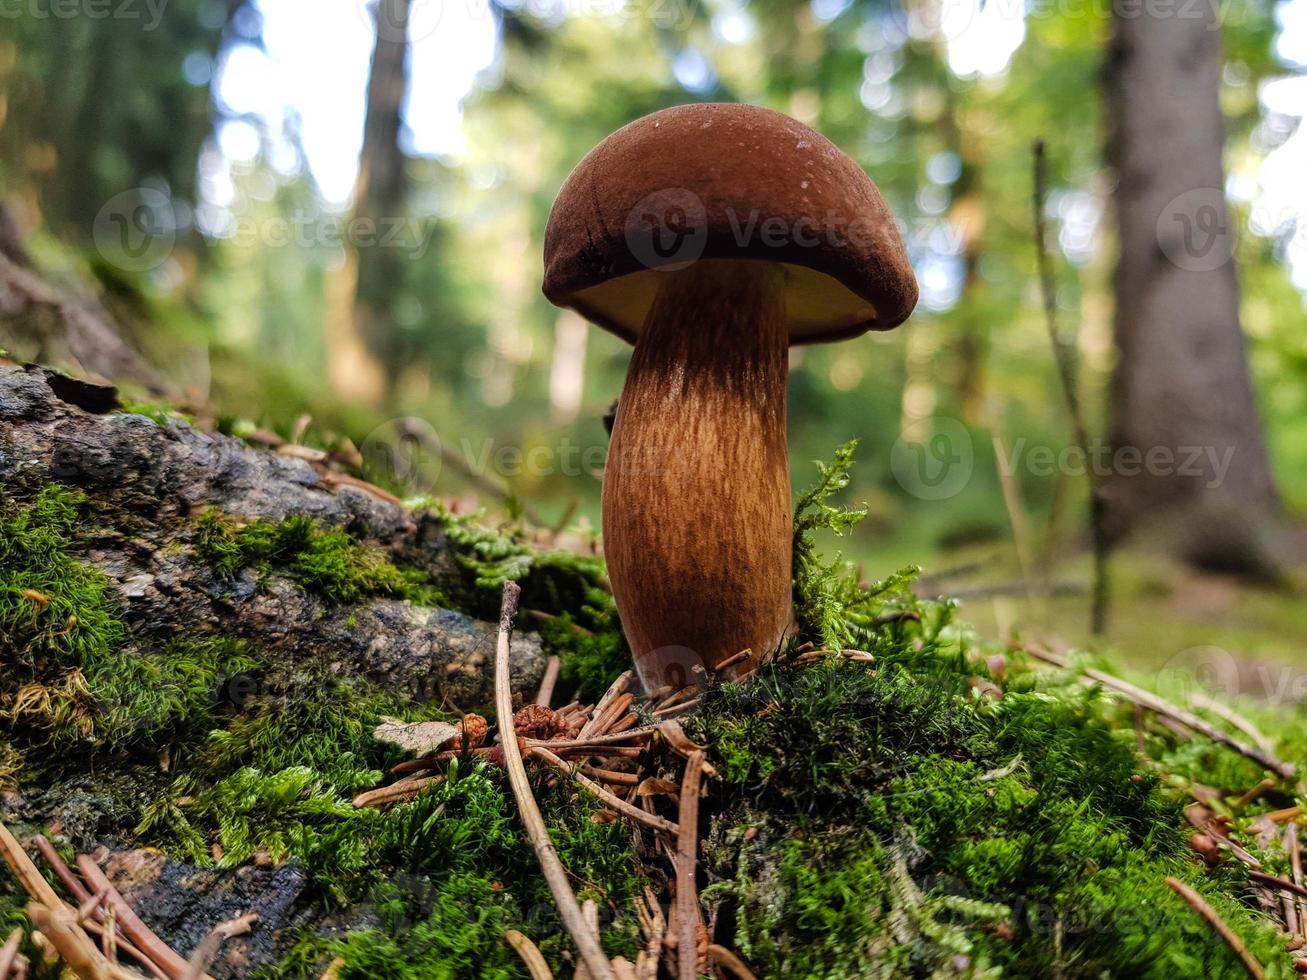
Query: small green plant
{"x":831,"y":607}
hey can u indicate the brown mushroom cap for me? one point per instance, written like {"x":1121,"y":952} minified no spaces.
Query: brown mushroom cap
{"x":727,"y":181}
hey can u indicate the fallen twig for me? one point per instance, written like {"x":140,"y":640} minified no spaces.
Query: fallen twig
{"x":546,"y":692}
{"x":654,"y":924}
{"x":9,"y":953}
{"x":730,"y":962}
{"x":1174,"y":712}
{"x":28,"y":875}
{"x":687,"y":861}
{"x":1199,"y":905}
{"x":1065,"y":359}
{"x":130,"y":923}
{"x":532,"y":958}
{"x":615,"y":690}
{"x":608,"y":799}
{"x":404,"y":789}
{"x":552,"y":868}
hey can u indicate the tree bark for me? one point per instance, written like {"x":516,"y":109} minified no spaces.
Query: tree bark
{"x":1188,"y":445}
{"x":365,"y":356}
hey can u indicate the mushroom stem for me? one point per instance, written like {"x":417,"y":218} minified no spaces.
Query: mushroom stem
{"x":696,"y":504}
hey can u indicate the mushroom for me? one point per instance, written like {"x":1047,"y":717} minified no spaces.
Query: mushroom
{"x":714,"y":236}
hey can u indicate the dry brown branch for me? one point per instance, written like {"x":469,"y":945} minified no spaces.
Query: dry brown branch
{"x":687,"y":862}
{"x":130,"y":924}
{"x":730,"y":962}
{"x":546,"y":692}
{"x":1274,"y":881}
{"x":1166,"y":709}
{"x":1232,"y":717}
{"x":530,"y":954}
{"x":552,"y":868}
{"x":1295,"y":865}
{"x":685,"y":707}
{"x":609,"y":776}
{"x":654,"y":924}
{"x":1199,"y":905}
{"x":651,"y":820}
{"x":59,"y":926}
{"x":615,"y":690}
{"x":25,"y":870}
{"x":593,"y":741}
{"x":10,"y":951}
{"x":404,"y":789}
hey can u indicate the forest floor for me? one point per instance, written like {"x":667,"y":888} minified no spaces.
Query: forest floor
{"x":208,"y":636}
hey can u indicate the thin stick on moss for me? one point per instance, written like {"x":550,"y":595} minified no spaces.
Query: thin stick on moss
{"x":731,"y":963}
{"x":1161,"y":706}
{"x":1274,"y":881}
{"x":1065,"y":359}
{"x":26,"y":871}
{"x":532,"y":958}
{"x":1228,"y":714}
{"x":552,"y":868}
{"x":651,"y":820}
{"x":404,"y":789}
{"x":9,"y":952}
{"x":687,"y":862}
{"x":58,"y":924}
{"x":546,"y":692}
{"x":1295,"y":867}
{"x":650,"y":912}
{"x":61,"y":870}
{"x":1199,"y":905}
{"x":617,"y":688}
{"x":130,"y":923}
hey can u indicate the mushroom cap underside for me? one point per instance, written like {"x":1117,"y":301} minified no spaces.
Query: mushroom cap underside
{"x":727,"y":181}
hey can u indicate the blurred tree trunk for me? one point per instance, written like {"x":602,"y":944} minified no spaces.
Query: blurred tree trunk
{"x":1190,"y":455}
{"x":363,"y":349}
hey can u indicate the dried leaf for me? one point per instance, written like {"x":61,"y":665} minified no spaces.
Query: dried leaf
{"x":419,"y":737}
{"x":656,"y":787}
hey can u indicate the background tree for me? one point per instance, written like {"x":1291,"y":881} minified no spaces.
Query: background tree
{"x":1181,"y":384}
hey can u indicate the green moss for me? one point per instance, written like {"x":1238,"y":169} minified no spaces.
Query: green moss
{"x":327,"y":562}
{"x":156,"y":411}
{"x":584,"y":630}
{"x":53,"y":607}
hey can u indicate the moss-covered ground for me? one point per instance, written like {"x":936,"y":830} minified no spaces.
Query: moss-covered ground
{"x":952,"y":808}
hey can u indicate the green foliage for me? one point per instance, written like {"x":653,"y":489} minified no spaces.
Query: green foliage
{"x":831,"y":607}
{"x":451,"y":929}
{"x":327,"y":562}
{"x":52,"y":606}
